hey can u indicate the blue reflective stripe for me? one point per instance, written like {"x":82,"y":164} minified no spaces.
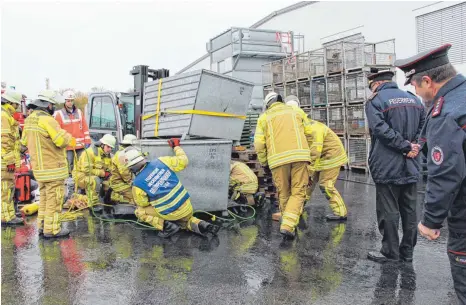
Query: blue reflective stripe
{"x":169,"y":200}
{"x":176,"y":206}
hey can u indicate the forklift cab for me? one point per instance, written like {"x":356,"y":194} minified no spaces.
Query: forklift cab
{"x":112,"y":113}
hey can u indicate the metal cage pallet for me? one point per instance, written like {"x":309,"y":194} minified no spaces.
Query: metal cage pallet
{"x":334,"y":58}
{"x":304,"y":93}
{"x":356,"y":120}
{"x":335,"y":90}
{"x":291,"y":88}
{"x":319,"y":92}
{"x":336,"y":120}
{"x":320,"y":114}
{"x":362,"y":54}
{"x":356,"y":88}
{"x":358,"y":151}
{"x":317,"y":63}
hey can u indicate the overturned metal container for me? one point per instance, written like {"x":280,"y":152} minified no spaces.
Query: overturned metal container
{"x":207,"y":175}
{"x":211,"y":105}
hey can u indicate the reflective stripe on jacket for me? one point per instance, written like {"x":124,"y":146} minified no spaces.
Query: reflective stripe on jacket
{"x":75,"y":124}
{"x":281,"y":136}
{"x":93,"y":162}
{"x":242,"y":178}
{"x":10,"y":138}
{"x":46,"y":143}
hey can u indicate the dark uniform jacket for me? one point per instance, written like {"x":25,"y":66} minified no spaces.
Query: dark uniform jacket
{"x":445,"y":137}
{"x":395,"y":120}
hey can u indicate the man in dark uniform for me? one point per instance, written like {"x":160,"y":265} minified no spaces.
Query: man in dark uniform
{"x":395,"y":118}
{"x":437,"y":82}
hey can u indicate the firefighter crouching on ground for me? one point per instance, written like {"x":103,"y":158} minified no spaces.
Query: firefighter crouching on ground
{"x":281,"y":144}
{"x":93,"y":170}
{"x":72,"y":120}
{"x":327,"y":156}
{"x":10,"y":155}
{"x":243,"y":185}
{"x":46,"y":143}
{"x":121,"y":177}
{"x":162,"y":200}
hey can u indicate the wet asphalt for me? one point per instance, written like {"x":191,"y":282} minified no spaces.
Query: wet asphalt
{"x":109,"y":263}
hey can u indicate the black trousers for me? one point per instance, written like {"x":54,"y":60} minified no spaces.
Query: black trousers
{"x":457,"y":255}
{"x":393,"y":201}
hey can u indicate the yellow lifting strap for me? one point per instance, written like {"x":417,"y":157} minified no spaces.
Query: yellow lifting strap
{"x":199,"y":112}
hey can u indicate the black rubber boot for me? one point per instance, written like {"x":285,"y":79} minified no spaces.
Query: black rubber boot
{"x":379,"y":257}
{"x":333,"y":217}
{"x":206,"y":227}
{"x":169,"y":228}
{"x":63,"y":233}
{"x":287,"y":235}
{"x":108,"y":196}
{"x":14,"y":222}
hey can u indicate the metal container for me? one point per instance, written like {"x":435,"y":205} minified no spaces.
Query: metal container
{"x":200,"y":90}
{"x":207,"y":175}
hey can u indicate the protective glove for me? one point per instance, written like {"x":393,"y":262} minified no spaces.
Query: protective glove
{"x":174,"y":142}
{"x":107,"y":175}
{"x":86,"y":146}
{"x":11,"y":168}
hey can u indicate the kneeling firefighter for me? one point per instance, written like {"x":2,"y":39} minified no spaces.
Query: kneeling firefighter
{"x":121,"y":177}
{"x":327,"y":156}
{"x":93,"y":170}
{"x":162,"y":200}
{"x":243,"y":185}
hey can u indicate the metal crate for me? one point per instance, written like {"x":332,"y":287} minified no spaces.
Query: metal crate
{"x":356,"y":120}
{"x":291,"y":89}
{"x":356,"y":87}
{"x":277,"y":71}
{"x":334,"y":57}
{"x":303,"y":65}
{"x":335,"y":90}
{"x":319,"y":114}
{"x":280,"y":89}
{"x":304,"y":93}
{"x":357,"y":152}
{"x":336,"y":119}
{"x":360,"y":54}
{"x":267,"y":79}
{"x":267,"y":90}
{"x":290,"y":68}
{"x":316,"y":63}
{"x":318,"y":92}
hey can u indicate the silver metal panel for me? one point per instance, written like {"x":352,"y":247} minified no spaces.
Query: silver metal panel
{"x":254,"y":77}
{"x":199,"y":90}
{"x":207,"y":175}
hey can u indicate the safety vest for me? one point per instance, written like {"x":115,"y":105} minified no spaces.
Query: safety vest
{"x":162,"y":186}
{"x":75,"y":124}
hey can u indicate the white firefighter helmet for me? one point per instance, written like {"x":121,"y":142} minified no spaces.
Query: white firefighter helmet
{"x":132,"y":157}
{"x":69,"y":95}
{"x":292,"y":100}
{"x":51,"y":96}
{"x":12,"y":97}
{"x":269,"y":99}
{"x":129,"y":139}
{"x":109,"y":140}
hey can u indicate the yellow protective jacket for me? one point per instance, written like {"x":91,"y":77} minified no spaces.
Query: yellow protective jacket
{"x":93,"y":162}
{"x":46,"y":143}
{"x":121,"y":177}
{"x":10,"y":138}
{"x":281,"y":136}
{"x":327,"y":151}
{"x":176,"y":164}
{"x":242,"y":178}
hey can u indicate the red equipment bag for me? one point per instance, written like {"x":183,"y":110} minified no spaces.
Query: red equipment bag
{"x":23,"y":182}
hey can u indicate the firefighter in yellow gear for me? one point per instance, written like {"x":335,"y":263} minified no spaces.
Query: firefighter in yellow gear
{"x":328,"y":155}
{"x":121,"y":177}
{"x":93,"y":170}
{"x":161,"y":199}
{"x":281,"y":144}
{"x":243,"y":183}
{"x":46,"y":143}
{"x":10,"y":155}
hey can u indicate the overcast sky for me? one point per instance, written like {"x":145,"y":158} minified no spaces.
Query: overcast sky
{"x":81,"y":45}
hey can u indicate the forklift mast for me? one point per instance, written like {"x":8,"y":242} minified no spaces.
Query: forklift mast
{"x":143,"y":74}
